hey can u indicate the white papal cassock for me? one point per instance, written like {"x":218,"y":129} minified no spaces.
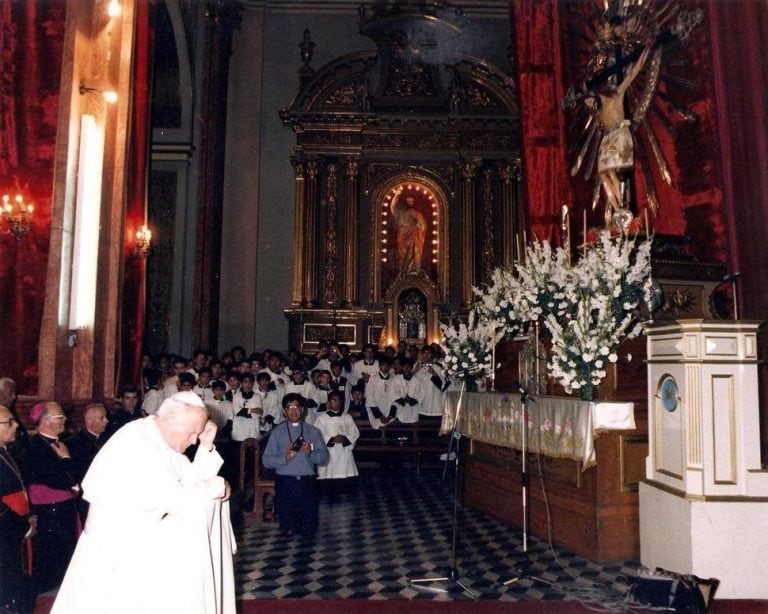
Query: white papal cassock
{"x":155,"y":541}
{"x":341,"y":460}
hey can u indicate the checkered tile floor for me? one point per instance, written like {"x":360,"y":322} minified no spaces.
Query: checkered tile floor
{"x":387,"y":530}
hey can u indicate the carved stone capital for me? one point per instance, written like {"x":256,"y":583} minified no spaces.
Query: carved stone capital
{"x":299,"y":166}
{"x":517,"y":169}
{"x":351,"y":167}
{"x":468,"y":169}
{"x":506,"y":171}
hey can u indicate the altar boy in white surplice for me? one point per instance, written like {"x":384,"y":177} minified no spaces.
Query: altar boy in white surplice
{"x":378,"y":395}
{"x":407,"y":393}
{"x":340,"y":434}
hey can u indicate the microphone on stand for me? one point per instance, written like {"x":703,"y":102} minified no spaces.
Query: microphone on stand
{"x":468,"y":371}
{"x":733,"y":278}
{"x":524,"y":394}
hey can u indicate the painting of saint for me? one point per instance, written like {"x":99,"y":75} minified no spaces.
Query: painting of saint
{"x":411,"y":231}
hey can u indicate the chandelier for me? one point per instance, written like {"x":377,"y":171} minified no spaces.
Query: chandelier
{"x":16,"y":216}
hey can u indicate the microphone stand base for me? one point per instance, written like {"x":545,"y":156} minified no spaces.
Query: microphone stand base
{"x":453,"y":577}
{"x":522,"y":570}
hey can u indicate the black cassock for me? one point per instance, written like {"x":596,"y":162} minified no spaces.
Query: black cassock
{"x":15,"y":587}
{"x":49,"y":480}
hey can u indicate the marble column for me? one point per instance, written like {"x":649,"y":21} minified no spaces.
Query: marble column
{"x":77,"y":359}
{"x":222,"y":18}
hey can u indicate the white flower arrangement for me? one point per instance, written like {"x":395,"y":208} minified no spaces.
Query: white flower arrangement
{"x":603,"y":297}
{"x":543,"y":280}
{"x":496,"y":303}
{"x":588,"y":307}
{"x":469,"y":347}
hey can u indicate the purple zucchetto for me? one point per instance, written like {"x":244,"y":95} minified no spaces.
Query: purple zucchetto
{"x":37,"y":411}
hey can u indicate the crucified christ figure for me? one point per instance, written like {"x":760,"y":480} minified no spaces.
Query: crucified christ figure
{"x":616,"y":151}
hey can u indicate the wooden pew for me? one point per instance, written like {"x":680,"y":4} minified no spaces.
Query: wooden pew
{"x":252,"y":477}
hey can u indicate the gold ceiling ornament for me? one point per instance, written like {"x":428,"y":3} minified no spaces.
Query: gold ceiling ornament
{"x":618,"y":92}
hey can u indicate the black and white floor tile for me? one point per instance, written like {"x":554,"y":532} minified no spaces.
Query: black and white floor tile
{"x":378,"y":536}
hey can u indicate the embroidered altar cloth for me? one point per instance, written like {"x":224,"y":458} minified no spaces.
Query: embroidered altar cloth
{"x":560,"y":427}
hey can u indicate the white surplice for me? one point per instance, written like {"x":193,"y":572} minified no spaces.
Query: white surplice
{"x":407,"y":389}
{"x":341,"y":460}
{"x":155,"y":541}
{"x":434,"y":394}
{"x":378,"y":393}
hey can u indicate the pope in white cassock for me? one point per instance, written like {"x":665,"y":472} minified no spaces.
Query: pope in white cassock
{"x":158,"y":538}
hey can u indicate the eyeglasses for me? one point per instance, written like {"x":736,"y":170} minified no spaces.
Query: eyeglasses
{"x":10,"y":421}
{"x":59,"y":417}
{"x":293,"y":407}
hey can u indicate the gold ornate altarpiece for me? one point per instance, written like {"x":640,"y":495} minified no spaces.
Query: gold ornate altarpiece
{"x":420,"y":118}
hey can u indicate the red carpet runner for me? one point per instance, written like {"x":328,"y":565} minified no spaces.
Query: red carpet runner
{"x":405,"y":606}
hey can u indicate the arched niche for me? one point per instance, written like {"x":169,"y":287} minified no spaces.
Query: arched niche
{"x":396,"y":307}
{"x":393,"y":218}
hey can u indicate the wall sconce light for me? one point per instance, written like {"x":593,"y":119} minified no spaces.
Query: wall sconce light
{"x":143,"y":240}
{"x":16,"y":216}
{"x":109,"y":95}
{"x":114,"y":9}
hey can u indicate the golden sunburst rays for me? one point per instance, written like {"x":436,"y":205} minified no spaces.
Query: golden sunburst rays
{"x":590,"y":129}
{"x":617,"y":34}
{"x":650,"y":187}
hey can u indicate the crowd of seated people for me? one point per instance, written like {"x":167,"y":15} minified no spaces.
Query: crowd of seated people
{"x":42,"y":463}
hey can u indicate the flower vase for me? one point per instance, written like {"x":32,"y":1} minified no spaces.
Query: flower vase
{"x":587,"y":392}
{"x":470,"y":383}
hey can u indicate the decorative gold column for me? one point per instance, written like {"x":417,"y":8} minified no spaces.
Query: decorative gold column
{"x":489,"y":262}
{"x":299,"y":207}
{"x":512,"y":221}
{"x":310,"y":237}
{"x":331,"y":247}
{"x":351,"y":174}
{"x":468,"y":170}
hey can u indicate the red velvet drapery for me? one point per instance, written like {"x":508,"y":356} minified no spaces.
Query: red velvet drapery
{"x":536,"y":33}
{"x":134,"y":279}
{"x":740,"y":52}
{"x":31,"y":36}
